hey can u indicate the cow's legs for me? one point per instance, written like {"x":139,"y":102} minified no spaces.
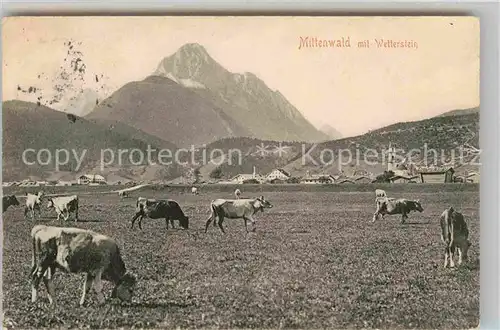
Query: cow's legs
{"x":67,"y":214}
{"x":76,"y":213}
{"x":140,"y":222}
{"x":404,"y":216}
{"x":252,"y":221}
{"x":87,"y":284}
{"x":135,"y":218}
{"x":452,"y":256}
{"x":37,"y":275}
{"x":47,"y":280}
{"x":221,"y":219}
{"x":208,"y":222}
{"x":26,"y":210}
{"x":246,"y":225}
{"x":446,"y":256}
{"x":98,"y":287}
{"x":375,"y":216}
{"x":460,"y":258}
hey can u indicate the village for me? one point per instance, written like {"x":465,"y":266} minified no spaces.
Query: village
{"x":395,"y":173}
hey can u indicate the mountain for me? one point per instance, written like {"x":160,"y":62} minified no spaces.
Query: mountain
{"x":460,"y":112}
{"x":331,"y":132}
{"x":27,"y":125}
{"x":167,"y":110}
{"x":83,"y":104}
{"x":245,"y":98}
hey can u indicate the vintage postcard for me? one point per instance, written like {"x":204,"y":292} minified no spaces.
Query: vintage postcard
{"x":240,"y":172}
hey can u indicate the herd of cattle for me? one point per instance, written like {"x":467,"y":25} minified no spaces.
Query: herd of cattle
{"x":76,"y":250}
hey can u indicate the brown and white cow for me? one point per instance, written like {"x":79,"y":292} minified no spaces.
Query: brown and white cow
{"x":75,"y":250}
{"x":391,"y":206}
{"x":160,"y":209}
{"x":455,"y":235}
{"x":7,"y":201}
{"x":33,"y":203}
{"x":64,"y":206}
{"x":236,"y":209}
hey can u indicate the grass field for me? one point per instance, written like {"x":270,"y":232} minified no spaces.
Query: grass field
{"x":315,"y":261}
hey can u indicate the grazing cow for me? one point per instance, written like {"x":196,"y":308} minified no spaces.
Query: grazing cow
{"x":380,"y":193}
{"x":7,"y":201}
{"x":392,"y":206}
{"x":194,"y":191}
{"x":237,"y":193}
{"x":455,"y":235}
{"x":236,"y":209}
{"x":159,"y":209}
{"x":75,"y":250}
{"x":64,"y":205}
{"x":33,"y":203}
{"x":123,"y":194}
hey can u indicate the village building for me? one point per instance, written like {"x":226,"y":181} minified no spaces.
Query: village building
{"x":88,"y":179}
{"x":278,"y":174}
{"x":436,"y":174}
{"x":317,"y":179}
{"x":242,"y":178}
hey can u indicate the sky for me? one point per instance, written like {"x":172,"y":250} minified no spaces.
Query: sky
{"x":352,"y":89}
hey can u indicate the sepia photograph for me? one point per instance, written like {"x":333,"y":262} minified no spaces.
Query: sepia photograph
{"x":235,"y":172}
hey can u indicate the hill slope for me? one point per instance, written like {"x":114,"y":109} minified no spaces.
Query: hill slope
{"x":443,"y":134}
{"x":26,"y":125}
{"x":460,"y":112}
{"x":167,"y":110}
{"x":267,"y":114}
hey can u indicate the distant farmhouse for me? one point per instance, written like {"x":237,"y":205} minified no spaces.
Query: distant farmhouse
{"x":278,"y":174}
{"x":317,"y":179}
{"x":242,"y":178}
{"x":91,"y":179}
{"x":436,"y":174}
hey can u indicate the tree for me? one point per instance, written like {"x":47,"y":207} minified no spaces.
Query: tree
{"x":216,"y":173}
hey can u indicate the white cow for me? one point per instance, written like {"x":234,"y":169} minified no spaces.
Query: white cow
{"x":76,"y":250}
{"x":236,"y":209}
{"x":33,"y":203}
{"x":194,"y":191}
{"x":123,"y":193}
{"x":237,"y":193}
{"x":64,"y":206}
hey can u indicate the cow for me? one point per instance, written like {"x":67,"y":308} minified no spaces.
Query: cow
{"x":64,"y":206}
{"x":76,"y":250}
{"x":380,"y":193}
{"x":194,"y":191}
{"x":33,"y":203}
{"x":237,"y":193}
{"x":236,"y":209}
{"x":455,"y":235}
{"x":7,"y":201}
{"x":123,"y":194}
{"x":159,"y":209}
{"x":393,"y":206}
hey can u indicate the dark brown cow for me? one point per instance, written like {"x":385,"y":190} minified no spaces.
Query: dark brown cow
{"x":7,"y":201}
{"x":160,"y":209}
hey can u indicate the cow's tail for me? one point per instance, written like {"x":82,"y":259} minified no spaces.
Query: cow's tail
{"x":76,"y":209}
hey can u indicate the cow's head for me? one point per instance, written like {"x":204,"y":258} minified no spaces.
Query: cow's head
{"x":417,"y":206}
{"x":124,"y":289}
{"x":465,"y":249}
{"x":184,"y":222}
{"x":261,"y":203}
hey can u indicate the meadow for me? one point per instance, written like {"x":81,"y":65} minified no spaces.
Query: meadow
{"x":315,"y":261}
